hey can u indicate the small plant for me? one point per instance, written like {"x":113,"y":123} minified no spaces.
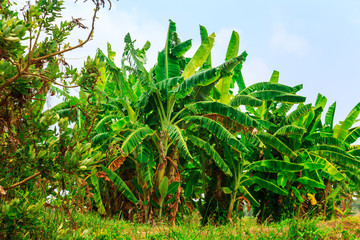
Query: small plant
{"x":305,"y":229}
{"x":20,"y":219}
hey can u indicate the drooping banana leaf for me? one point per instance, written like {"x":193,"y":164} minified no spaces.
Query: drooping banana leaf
{"x":330,"y":169}
{"x":177,"y":137}
{"x":276,"y":143}
{"x":208,"y":107}
{"x":297,"y":194}
{"x":97,"y":196}
{"x":212,"y":153}
{"x":269,"y":185}
{"x":342,"y":131}
{"x":353,"y":135}
{"x":318,"y":138}
{"x":335,"y":154}
{"x":310,"y":182}
{"x":275,"y":166}
{"x":262,"y":86}
{"x":248,"y":196}
{"x":135,"y":139}
{"x":218,"y":130}
{"x":100,"y":126}
{"x":169,"y":83}
{"x":199,"y":79}
{"x":119,"y":184}
{"x":100,"y":137}
{"x":246,"y":100}
{"x":229,"y":65}
{"x":298,"y":113}
{"x":274,"y":95}
{"x":179,"y":50}
{"x":238,"y":78}
{"x":131,"y":48}
{"x":289,"y":130}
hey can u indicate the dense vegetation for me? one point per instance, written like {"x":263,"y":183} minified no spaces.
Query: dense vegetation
{"x":160,"y":144}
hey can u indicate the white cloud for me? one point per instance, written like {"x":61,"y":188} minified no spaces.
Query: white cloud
{"x":288,"y":43}
{"x":255,"y":70}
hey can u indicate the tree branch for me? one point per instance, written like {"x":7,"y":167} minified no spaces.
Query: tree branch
{"x":23,"y":181}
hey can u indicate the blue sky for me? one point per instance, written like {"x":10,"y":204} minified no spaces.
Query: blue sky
{"x":315,"y":43}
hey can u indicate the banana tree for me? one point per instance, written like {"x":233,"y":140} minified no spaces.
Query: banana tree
{"x":153,"y":120}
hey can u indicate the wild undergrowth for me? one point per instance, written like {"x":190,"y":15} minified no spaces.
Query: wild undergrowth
{"x":58,"y":225}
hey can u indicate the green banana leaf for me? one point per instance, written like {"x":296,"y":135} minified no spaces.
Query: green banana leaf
{"x":191,"y":183}
{"x":199,"y":79}
{"x":274,"y":77}
{"x":238,"y":78}
{"x":336,"y":155}
{"x":246,"y":100}
{"x":329,"y":117}
{"x":207,"y":107}
{"x":199,"y":57}
{"x":289,"y":130}
{"x":218,"y":130}
{"x":297,"y":194}
{"x":353,"y":135}
{"x":135,"y":138}
{"x":204,"y":36}
{"x":228,"y":66}
{"x":261,"y":86}
{"x":97,"y":196}
{"x":342,"y":131}
{"x":248,"y":196}
{"x":274,"y":95}
{"x":298,"y":113}
{"x":177,"y":137}
{"x":269,"y":185}
{"x":233,"y":47}
{"x":275,"y":166}
{"x":179,"y":50}
{"x":212,"y":153}
{"x":119,"y":184}
{"x":310,"y":182}
{"x":276,"y":143}
{"x":168,"y":65}
{"x":100,"y":137}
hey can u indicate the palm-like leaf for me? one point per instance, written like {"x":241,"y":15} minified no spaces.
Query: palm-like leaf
{"x":120,"y":184}
{"x":224,"y":110}
{"x":269,"y":185}
{"x":276,"y":143}
{"x":289,"y":130}
{"x":310,"y":182}
{"x":298,"y":113}
{"x":177,"y":137}
{"x":218,"y":130}
{"x":199,"y":57}
{"x":342,"y":130}
{"x":212,"y":153}
{"x":261,"y":86}
{"x":246,"y":100}
{"x":135,"y":138}
{"x":275,"y":166}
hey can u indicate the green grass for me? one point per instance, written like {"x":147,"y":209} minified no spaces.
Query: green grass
{"x":57,"y":225}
